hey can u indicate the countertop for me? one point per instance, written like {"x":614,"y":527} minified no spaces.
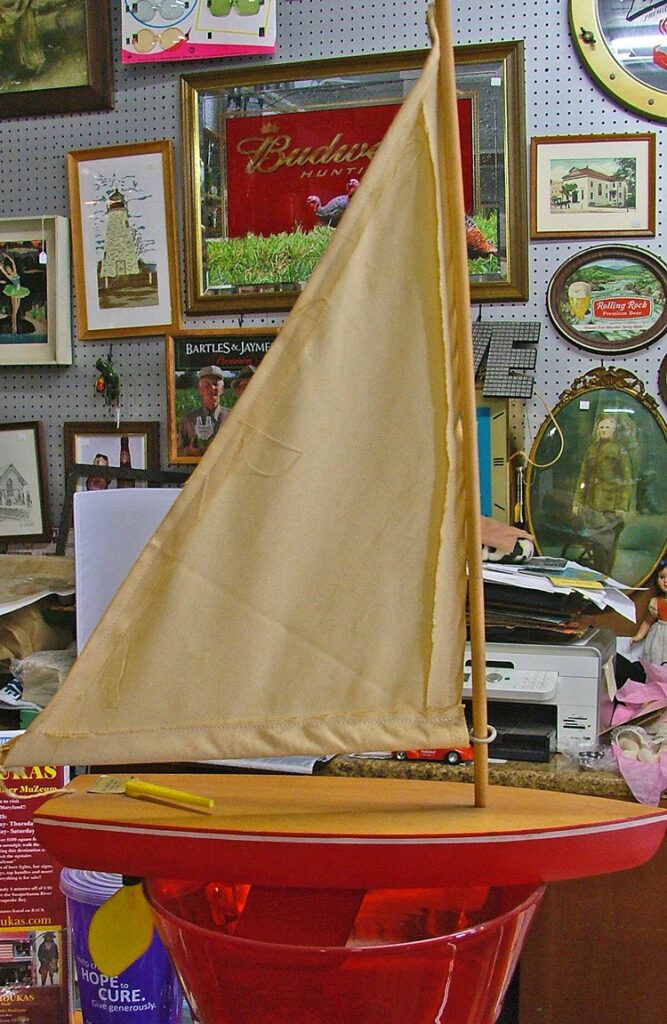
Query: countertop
{"x":558,"y":774}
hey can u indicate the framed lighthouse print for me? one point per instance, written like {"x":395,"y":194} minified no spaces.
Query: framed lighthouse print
{"x":123,"y":216}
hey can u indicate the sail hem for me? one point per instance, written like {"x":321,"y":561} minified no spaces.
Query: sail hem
{"x":208,"y":741}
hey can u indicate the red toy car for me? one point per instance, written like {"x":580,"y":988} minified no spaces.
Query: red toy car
{"x":450,"y":755}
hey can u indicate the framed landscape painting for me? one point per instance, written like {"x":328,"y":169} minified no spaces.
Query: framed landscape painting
{"x":274,"y":154}
{"x":591,"y":186}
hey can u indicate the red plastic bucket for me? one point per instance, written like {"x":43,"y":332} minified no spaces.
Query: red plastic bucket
{"x":412,"y":957}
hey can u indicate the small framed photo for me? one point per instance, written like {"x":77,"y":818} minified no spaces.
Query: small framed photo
{"x":24,"y":507}
{"x":35,"y":288}
{"x":592,"y":186}
{"x":610,"y":299}
{"x":126,"y":268}
{"x":207,"y":372}
{"x":130,"y":445}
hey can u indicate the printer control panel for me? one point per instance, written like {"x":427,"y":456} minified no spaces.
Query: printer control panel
{"x":516,"y":684}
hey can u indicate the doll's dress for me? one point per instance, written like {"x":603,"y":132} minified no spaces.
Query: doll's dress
{"x":655,"y":645}
{"x":15,"y":289}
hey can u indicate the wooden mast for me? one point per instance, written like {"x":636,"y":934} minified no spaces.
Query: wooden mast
{"x":459,"y":313}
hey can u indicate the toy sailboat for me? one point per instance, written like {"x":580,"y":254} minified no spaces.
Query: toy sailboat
{"x":306,"y":593}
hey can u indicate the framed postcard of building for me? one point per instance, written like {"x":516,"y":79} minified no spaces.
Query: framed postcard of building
{"x":592,"y":186}
{"x":24,"y":509}
{"x":124,"y":240}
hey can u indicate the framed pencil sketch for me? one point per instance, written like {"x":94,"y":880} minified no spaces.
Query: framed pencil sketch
{"x":610,"y":299}
{"x":35,"y":290}
{"x":24,"y":506}
{"x":622,"y":45}
{"x":273,"y":155}
{"x":56,"y":58}
{"x":130,"y":445}
{"x":595,"y":489}
{"x":591,"y":186}
{"x":126,"y":268}
{"x":207,"y":372}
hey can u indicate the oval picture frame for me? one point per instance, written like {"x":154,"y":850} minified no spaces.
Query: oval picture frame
{"x":610,"y":299}
{"x":662,"y":380}
{"x":624,"y":48}
{"x":597,"y":494}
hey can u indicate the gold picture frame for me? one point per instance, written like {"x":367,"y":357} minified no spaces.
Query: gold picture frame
{"x":260,"y":140}
{"x":595,"y":488}
{"x":123,"y":213}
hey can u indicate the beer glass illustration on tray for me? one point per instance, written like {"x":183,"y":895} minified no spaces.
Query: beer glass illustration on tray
{"x":579,"y":297}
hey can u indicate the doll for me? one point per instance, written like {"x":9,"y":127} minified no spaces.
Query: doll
{"x":654,"y":626}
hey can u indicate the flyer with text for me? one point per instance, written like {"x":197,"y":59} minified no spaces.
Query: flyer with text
{"x":33,"y":934}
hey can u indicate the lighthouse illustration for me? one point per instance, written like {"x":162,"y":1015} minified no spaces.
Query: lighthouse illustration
{"x":124,"y":278}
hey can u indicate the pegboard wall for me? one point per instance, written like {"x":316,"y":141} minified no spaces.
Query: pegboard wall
{"x":561,"y":99}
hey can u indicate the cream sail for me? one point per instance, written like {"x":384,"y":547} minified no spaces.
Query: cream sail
{"x":306,"y":594}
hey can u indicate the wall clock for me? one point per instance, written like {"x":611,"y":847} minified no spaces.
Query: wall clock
{"x":622,"y":43}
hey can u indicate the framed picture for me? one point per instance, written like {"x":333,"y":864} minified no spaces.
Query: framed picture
{"x":56,"y":61}
{"x":35,"y":290}
{"x":610,"y":299}
{"x":662,"y":380}
{"x":128,"y":445}
{"x":589,"y":186}
{"x":622,"y":45}
{"x":274,"y":153}
{"x":126,"y":268}
{"x":207,"y":372}
{"x":24,"y":507}
{"x":596,"y":491}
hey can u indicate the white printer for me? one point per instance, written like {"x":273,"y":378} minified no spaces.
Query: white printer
{"x":565,"y":687}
